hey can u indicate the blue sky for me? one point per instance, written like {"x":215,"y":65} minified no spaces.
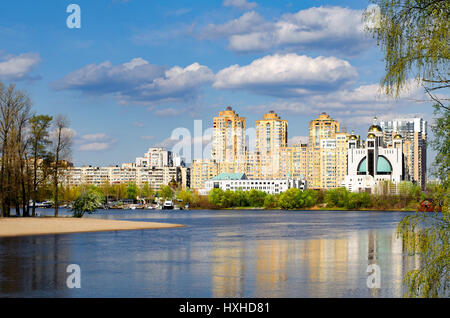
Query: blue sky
{"x":136,"y":69}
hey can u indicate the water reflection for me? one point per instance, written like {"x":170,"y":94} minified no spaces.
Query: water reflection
{"x":223,"y":254}
{"x":311,"y":268}
{"x":41,"y":267}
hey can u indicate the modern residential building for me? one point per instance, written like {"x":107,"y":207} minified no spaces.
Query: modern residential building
{"x":271,"y":136}
{"x":327,"y":152}
{"x":229,"y":138}
{"x":414,"y":133}
{"x":159,"y":157}
{"x":158,"y":167}
{"x":201,"y":171}
{"x":239,"y":181}
{"x":294,"y":161}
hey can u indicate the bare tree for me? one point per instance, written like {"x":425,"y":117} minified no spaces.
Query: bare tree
{"x":61,"y":152}
{"x":14,"y":112}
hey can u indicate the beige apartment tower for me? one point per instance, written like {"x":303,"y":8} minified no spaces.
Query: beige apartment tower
{"x":228,"y":137}
{"x":271,"y":137}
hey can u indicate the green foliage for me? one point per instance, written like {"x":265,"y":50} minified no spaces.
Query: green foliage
{"x":87,"y":202}
{"x":441,"y":143}
{"x":215,"y":197}
{"x":296,"y":199}
{"x":342,"y":198}
{"x":185,"y":196}
{"x":256,"y":198}
{"x":414,"y":36}
{"x":146,"y":191}
{"x":427,"y":235}
{"x":132,"y":191}
{"x":271,"y":201}
{"x":165,"y":192}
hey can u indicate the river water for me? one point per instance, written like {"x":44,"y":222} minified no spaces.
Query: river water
{"x":218,"y":254}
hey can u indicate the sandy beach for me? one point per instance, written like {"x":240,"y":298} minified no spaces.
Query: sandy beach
{"x":44,"y":226}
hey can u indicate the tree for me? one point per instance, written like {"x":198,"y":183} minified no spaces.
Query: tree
{"x":414,"y":35}
{"x":62,"y":147}
{"x":87,"y":202}
{"x":166,"y":192}
{"x":185,"y":196}
{"x":38,"y":142}
{"x":256,"y":198}
{"x":215,"y":197}
{"x":271,"y":201}
{"x":146,"y":192}
{"x":132,"y":191}
{"x":15,"y":107}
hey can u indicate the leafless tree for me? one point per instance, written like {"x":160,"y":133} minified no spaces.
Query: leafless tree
{"x":61,"y":139}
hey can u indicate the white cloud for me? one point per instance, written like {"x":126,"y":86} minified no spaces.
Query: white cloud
{"x":287,"y":75}
{"x":241,"y":4}
{"x":168,"y":112}
{"x":18,"y":67}
{"x":138,"y":81}
{"x":95,"y":146}
{"x":138,"y":124}
{"x":248,"y":22}
{"x":358,"y":105}
{"x":329,"y":28}
{"x":95,"y":137}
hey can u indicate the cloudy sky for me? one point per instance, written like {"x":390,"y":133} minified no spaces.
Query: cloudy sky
{"x":137,"y":69}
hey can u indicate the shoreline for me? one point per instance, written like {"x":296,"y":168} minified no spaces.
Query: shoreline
{"x":16,"y":227}
{"x":311,"y":209}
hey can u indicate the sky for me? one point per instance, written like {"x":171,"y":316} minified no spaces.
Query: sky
{"x":136,"y":70}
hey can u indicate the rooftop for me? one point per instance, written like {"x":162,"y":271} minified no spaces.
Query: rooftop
{"x":230,"y":176}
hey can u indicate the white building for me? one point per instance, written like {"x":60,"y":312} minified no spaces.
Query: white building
{"x":155,"y":157}
{"x":239,"y":181}
{"x":372,"y":162}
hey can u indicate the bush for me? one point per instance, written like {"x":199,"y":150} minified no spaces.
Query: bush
{"x":87,"y":202}
{"x":296,"y":199}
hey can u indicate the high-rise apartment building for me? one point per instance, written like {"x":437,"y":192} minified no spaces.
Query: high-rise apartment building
{"x":155,"y":157}
{"x":228,"y":138}
{"x":327,"y":153}
{"x":323,"y":127}
{"x":271,"y":136}
{"x":201,"y":171}
{"x":414,"y":134}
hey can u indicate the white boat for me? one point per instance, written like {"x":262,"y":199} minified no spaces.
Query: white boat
{"x":168,"y":205}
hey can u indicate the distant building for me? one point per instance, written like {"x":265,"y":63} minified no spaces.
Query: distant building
{"x":228,"y":138}
{"x":157,"y":168}
{"x":239,"y":181}
{"x":201,"y":171}
{"x":271,"y":136}
{"x":414,"y":133}
{"x":159,"y":157}
{"x":373,"y":162}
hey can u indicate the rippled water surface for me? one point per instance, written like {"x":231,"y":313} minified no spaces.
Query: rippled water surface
{"x":217,"y":254}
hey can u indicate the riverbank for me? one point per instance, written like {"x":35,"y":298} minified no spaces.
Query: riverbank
{"x":10,"y":227}
{"x":315,"y":208}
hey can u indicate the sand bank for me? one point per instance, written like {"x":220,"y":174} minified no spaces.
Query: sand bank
{"x":61,"y":225}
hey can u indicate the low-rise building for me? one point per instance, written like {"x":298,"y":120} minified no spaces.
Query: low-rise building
{"x":239,"y":181}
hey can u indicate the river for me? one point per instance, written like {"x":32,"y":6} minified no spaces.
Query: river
{"x":240,"y":253}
